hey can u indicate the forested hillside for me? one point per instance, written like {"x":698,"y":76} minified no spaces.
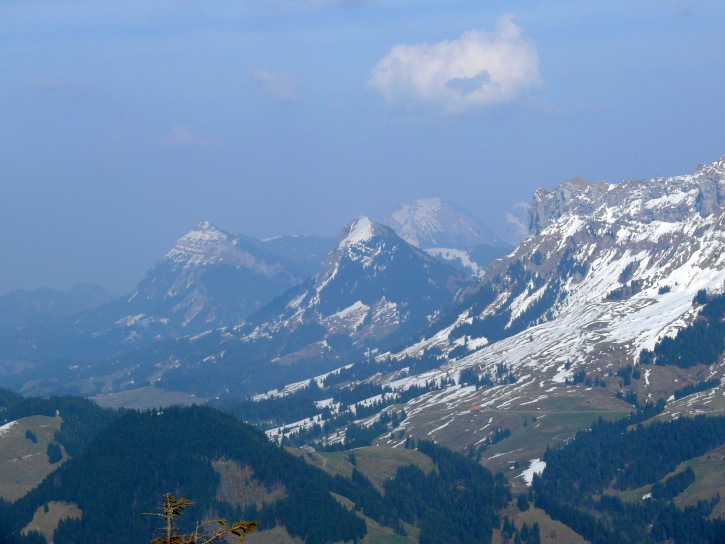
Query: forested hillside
{"x":193,"y":452}
{"x":82,"y":419}
{"x":580,"y":483}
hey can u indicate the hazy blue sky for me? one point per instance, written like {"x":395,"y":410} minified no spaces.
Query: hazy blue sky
{"x":123,"y":124}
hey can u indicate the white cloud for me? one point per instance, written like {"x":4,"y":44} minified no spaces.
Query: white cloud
{"x":280,"y":85}
{"x":476,"y":70}
{"x":517,"y":225}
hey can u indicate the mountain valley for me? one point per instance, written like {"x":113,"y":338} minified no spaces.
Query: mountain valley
{"x":364,"y":355}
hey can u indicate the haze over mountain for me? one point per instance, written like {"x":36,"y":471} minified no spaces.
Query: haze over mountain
{"x":374,"y":289}
{"x":449,"y":233}
{"x":433,"y":222}
{"x":615,"y":301}
{"x":21,"y":306}
{"x":520,"y":359}
{"x":210,"y":278}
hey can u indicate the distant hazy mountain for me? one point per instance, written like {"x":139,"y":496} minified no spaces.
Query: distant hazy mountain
{"x":374,"y":290}
{"x":448,"y":233}
{"x":210,"y":278}
{"x":21,"y":306}
{"x":434,"y":222}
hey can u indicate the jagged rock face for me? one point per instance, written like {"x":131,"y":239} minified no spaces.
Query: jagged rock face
{"x":613,"y":269}
{"x":598,"y":243}
{"x":435,"y":223}
{"x":659,"y":199}
{"x":573,"y":194}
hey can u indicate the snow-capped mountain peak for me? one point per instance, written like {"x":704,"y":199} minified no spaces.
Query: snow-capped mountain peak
{"x":361,"y":230}
{"x":202,"y":245}
{"x":433,"y":222}
{"x":373,"y":285}
{"x":421,"y":215}
{"x":208,"y":245}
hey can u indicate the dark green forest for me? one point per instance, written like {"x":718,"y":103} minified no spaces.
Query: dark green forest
{"x":122,"y":461}
{"x":703,"y":342}
{"x":613,"y":455}
{"x":120,"y":473}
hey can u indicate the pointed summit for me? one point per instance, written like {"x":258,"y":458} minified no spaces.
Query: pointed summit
{"x":362,"y":230}
{"x":211,"y":278}
{"x":374,"y":289}
{"x":203,"y":245}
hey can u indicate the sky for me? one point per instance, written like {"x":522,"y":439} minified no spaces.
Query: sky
{"x":124,"y":124}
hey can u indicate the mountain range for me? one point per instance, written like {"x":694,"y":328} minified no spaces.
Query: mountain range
{"x":21,"y":307}
{"x":606,"y":269}
{"x":610,"y":313}
{"x":567,"y":323}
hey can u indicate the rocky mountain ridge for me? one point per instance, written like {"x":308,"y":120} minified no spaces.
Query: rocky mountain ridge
{"x":607,"y":271}
{"x":611,"y":265}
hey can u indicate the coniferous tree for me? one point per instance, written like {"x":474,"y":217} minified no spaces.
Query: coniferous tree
{"x":206,"y":532}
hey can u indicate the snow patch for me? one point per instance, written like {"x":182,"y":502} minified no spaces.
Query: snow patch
{"x":450,"y":254}
{"x":537,"y":466}
{"x":361,"y":230}
{"x":5,"y":428}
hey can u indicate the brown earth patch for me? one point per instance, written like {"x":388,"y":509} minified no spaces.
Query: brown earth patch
{"x":237,"y":485}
